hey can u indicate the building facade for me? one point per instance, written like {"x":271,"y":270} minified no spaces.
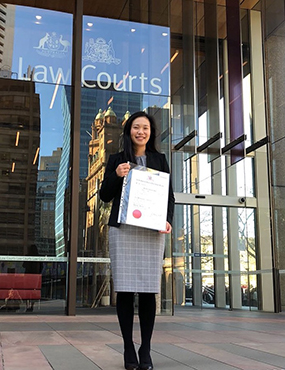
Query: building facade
{"x":211,"y":73}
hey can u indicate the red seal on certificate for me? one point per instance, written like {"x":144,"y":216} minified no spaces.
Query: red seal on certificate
{"x":137,"y":213}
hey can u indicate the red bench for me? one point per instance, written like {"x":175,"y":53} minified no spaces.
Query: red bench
{"x":20,"y":286}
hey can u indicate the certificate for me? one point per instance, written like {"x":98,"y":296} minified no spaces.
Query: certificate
{"x":144,"y":199}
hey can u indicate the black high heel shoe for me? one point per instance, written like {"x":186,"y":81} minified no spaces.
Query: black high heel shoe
{"x":145,"y":367}
{"x":130,"y":360}
{"x":145,"y":361}
{"x":131,"y":367}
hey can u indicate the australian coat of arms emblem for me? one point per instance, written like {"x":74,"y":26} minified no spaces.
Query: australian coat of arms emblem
{"x":52,"y":45}
{"x":100,"y":51}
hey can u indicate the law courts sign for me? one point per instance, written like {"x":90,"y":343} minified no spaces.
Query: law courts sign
{"x":119,"y":55}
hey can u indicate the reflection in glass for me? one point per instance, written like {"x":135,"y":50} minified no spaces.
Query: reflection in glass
{"x":39,"y":127}
{"x":101,"y":137}
{"x":34,"y":153}
{"x":40,"y":49}
{"x":125,"y":68}
{"x":20,"y":140}
{"x":31,"y":286}
{"x":117,"y":58}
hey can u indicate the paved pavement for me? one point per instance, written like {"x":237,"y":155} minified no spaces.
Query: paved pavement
{"x":205,"y":339}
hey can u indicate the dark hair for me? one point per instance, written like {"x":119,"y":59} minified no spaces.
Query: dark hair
{"x":127,"y":141}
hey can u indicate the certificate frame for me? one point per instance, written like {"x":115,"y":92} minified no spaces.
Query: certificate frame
{"x":144,"y":198}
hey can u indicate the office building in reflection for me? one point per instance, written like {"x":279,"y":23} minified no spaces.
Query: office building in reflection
{"x":62,"y":187}
{"x":7,"y":20}
{"x":19,"y":150}
{"x":45,"y":203}
{"x":106,"y":132}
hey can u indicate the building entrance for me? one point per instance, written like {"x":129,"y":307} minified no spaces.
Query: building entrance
{"x":215,"y":262}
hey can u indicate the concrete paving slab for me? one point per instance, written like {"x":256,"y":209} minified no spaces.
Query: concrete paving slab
{"x":171,"y":326}
{"x":89,"y":337}
{"x":24,"y":326}
{"x":210,"y":326}
{"x":73,"y":326}
{"x":67,"y":357}
{"x":274,"y":349}
{"x":24,"y":358}
{"x":236,"y":361}
{"x":31,"y":338}
{"x":189,"y":358}
{"x":253,"y":354}
{"x":103,"y":355}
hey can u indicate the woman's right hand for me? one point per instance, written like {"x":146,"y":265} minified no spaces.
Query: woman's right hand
{"x":123,"y":169}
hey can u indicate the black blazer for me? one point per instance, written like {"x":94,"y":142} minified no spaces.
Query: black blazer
{"x":112,"y":184}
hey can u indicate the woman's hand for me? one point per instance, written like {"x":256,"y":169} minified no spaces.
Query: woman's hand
{"x":167,"y":230}
{"x":123,"y":169}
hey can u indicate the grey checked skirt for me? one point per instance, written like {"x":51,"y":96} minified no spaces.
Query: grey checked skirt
{"x":136,"y":258}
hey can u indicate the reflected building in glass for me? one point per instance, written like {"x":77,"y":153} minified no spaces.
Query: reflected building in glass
{"x":62,"y":188}
{"x":106,"y":134}
{"x":19,"y":150}
{"x":45,"y":203}
{"x":6,"y":36}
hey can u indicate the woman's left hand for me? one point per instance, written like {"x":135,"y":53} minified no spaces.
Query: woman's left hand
{"x":167,"y":230}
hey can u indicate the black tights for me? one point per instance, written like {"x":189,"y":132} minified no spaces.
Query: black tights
{"x":125,"y":312}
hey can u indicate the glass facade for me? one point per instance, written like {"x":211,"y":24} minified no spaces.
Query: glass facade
{"x":211,"y":73}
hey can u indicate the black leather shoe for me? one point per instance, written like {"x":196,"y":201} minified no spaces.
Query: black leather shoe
{"x":131,"y":367}
{"x":145,"y":362}
{"x":130,"y":359}
{"x":145,"y":367}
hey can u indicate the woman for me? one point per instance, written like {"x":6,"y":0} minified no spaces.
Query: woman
{"x":136,"y":253}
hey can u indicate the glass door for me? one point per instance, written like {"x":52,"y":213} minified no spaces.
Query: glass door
{"x":214,"y":258}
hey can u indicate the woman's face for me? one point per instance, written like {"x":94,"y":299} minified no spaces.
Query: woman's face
{"x":140,"y":132}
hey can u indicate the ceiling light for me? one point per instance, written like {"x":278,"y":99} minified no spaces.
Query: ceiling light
{"x":17,"y":138}
{"x":133,"y":30}
{"x":38,"y":17}
{"x":36,"y":155}
{"x":164,"y":34}
{"x":89,"y":24}
{"x":174,"y":56}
